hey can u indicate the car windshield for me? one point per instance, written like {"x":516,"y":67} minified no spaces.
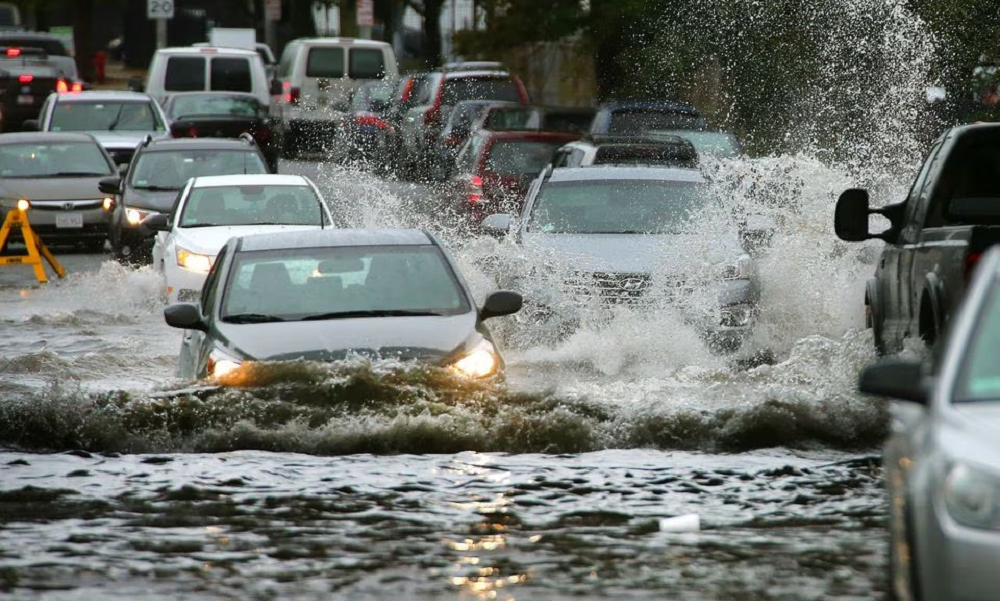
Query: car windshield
{"x":205,"y":104}
{"x":62,"y":159}
{"x":638,"y":122}
{"x":517,"y":157}
{"x":979,"y":377}
{"x":105,"y":116}
{"x":478,"y":88}
{"x":172,"y":169}
{"x":618,"y":207}
{"x":252,"y":205}
{"x":511,"y":118}
{"x":342,"y":282}
{"x":714,"y":143}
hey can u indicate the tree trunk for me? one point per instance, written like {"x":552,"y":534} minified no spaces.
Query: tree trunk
{"x":83,"y":38}
{"x":432,"y":32}
{"x":300,"y":18}
{"x":348,"y":18}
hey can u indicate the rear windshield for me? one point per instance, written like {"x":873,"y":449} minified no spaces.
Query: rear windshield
{"x":52,"y":47}
{"x":256,"y":204}
{"x":477,"y":88}
{"x":645,"y":154}
{"x":182,"y":105}
{"x":185,"y":74}
{"x":105,"y":116}
{"x":366,"y":63}
{"x":231,"y":75}
{"x":639,"y":121}
{"x":520,"y":157}
{"x":325,"y":62}
{"x":171,"y":169}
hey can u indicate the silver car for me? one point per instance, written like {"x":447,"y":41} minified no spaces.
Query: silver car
{"x":942,"y":456}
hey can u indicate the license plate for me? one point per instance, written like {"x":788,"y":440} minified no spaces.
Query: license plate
{"x":25,"y":99}
{"x":69,"y":220}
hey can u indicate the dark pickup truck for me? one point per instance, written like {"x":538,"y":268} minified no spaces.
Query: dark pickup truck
{"x":936,"y":236}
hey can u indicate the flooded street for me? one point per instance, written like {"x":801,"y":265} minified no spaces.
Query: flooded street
{"x":385,"y":481}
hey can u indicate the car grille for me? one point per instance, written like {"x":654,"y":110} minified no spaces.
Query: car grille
{"x":612,"y":288}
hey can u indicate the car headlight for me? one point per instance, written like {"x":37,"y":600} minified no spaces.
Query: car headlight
{"x":220,"y":364}
{"x":972,"y":497}
{"x":741,"y":269}
{"x":137,"y":216}
{"x":194,"y":261}
{"x":480,"y":362}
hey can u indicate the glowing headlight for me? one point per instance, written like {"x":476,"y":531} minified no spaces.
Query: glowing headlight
{"x":220,"y":364}
{"x":741,"y":269}
{"x":23,"y":205}
{"x":108,"y":203}
{"x":480,"y":362}
{"x":973,"y":497}
{"x":136,"y":216}
{"x":194,"y":261}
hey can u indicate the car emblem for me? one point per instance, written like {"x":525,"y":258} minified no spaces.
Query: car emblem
{"x":633,"y":284}
{"x":68,"y":206}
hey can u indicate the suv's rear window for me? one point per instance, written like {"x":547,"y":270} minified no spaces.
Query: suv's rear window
{"x":51,"y":47}
{"x":479,"y":88}
{"x":231,"y":75}
{"x":517,"y":157}
{"x":185,"y":74}
{"x":325,"y":62}
{"x":638,"y":122}
{"x":366,"y":63}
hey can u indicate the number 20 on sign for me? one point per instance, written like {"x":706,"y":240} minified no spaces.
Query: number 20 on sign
{"x":160,"y":9}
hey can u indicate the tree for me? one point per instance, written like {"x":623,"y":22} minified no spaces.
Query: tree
{"x":430,"y":14}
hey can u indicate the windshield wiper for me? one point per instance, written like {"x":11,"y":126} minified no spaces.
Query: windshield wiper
{"x":252,"y":318}
{"x":371,"y":313}
{"x":118,"y":115}
{"x":75,"y":174}
{"x":158,"y":188}
{"x":194,"y":225}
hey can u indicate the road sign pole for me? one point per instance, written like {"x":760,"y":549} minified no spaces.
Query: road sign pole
{"x":161,"y":33}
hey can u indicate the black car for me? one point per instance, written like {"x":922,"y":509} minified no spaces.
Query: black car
{"x":158,"y":171}
{"x":637,"y":118}
{"x":27,"y":77}
{"x":226,"y":115}
{"x":324,"y":295}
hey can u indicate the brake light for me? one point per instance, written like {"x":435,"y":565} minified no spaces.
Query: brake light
{"x":61,"y":86}
{"x":13,"y":52}
{"x":407,"y":89}
{"x":293,"y":96}
{"x":971,"y":260}
{"x":476,"y":190}
{"x":370,"y":120}
{"x":192,"y":132}
{"x":25,"y":78}
{"x":77,"y":87}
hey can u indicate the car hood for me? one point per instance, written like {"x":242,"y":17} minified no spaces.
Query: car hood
{"x":53,"y":188}
{"x":430,"y":338}
{"x":633,"y":253}
{"x":208,"y":240}
{"x":157,"y":200}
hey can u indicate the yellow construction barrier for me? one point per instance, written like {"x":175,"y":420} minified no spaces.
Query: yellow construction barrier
{"x":17,"y":219}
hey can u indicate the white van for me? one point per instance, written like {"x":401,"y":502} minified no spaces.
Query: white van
{"x":208,"y":68}
{"x":318,"y":76}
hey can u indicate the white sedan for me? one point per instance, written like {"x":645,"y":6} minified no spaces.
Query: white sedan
{"x":211,"y":210}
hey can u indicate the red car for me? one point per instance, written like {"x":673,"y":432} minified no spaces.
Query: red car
{"x":494,"y":169}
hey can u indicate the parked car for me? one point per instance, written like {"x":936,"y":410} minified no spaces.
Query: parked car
{"x":935,"y":236}
{"x":623,"y":238}
{"x":208,"y":69}
{"x":27,"y":77}
{"x":461,"y":123}
{"x":637,"y":118}
{"x":941,"y":459}
{"x":210,"y":210}
{"x":494,"y":169}
{"x":158,"y":171}
{"x":53,"y":47}
{"x":322,"y":295}
{"x":59,"y":174}
{"x":119,"y":120}
{"x":318,"y":76}
{"x":436,"y":94}
{"x":622,"y":150}
{"x":226,"y":115}
{"x":365,"y":133}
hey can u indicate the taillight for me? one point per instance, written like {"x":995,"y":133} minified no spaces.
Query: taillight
{"x":407,"y":89}
{"x":25,"y":78}
{"x":371,"y":120}
{"x":76,"y":87}
{"x":13,"y":52}
{"x":476,"y":189}
{"x":294,"y":95}
{"x":971,"y":260}
{"x":191,"y":132}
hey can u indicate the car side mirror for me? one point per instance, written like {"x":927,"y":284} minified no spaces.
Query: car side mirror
{"x":850,"y":220}
{"x":276,"y":88}
{"x":186,"y":316}
{"x":497,"y":225}
{"x":500,"y":303}
{"x":898,"y":379}
{"x":110,"y":185}
{"x":158,"y":223}
{"x":31,"y":125}
{"x":135,"y":83}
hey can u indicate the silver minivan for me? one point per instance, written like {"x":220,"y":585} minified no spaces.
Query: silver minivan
{"x":318,"y":76}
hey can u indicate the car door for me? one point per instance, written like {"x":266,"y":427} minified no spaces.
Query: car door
{"x":163,"y":240}
{"x":195,"y":344}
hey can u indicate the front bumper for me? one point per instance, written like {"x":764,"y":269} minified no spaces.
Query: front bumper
{"x":955,"y":561}
{"x":52,"y":222}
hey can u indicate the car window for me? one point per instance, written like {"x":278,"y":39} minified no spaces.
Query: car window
{"x":52,"y":47}
{"x":517,"y":157}
{"x":8,"y":17}
{"x":171,"y":169}
{"x":638,"y":122}
{"x":231,"y":75}
{"x":325,"y":62}
{"x":252,"y":205}
{"x":45,"y":160}
{"x":366,"y":63}
{"x":979,"y":376}
{"x":512,"y":118}
{"x":324,"y":282}
{"x":479,"y":88}
{"x":235,"y":106}
{"x":184,"y":74}
{"x":618,"y":206}
{"x":209,"y":291}
{"x":105,"y":116}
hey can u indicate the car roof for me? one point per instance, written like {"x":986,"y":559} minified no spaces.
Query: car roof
{"x":339,"y":41}
{"x":46,"y":136}
{"x":202,"y":50}
{"x":491,"y":74}
{"x":333,"y":237}
{"x":649,"y":105}
{"x":606,"y":172}
{"x":163,"y":144}
{"x":103,"y":95}
{"x":250,"y":179}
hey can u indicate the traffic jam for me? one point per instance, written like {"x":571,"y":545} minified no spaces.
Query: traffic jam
{"x":541,"y":227}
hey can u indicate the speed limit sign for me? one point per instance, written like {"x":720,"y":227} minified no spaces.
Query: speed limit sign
{"x":160,"y":9}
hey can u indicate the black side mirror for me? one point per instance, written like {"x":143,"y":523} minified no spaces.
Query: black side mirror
{"x":135,"y":83}
{"x":500,"y":303}
{"x":898,"y":379}
{"x":158,"y":223}
{"x":110,"y":185}
{"x":31,"y":125}
{"x":276,"y":88}
{"x":850,"y":220}
{"x":185,"y":316}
